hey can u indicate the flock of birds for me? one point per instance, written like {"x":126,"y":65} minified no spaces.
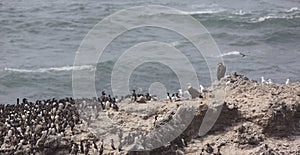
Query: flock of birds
{"x":30,"y":124}
{"x":27,"y":125}
{"x":210,"y":150}
{"x":85,"y":146}
{"x":269,"y":81}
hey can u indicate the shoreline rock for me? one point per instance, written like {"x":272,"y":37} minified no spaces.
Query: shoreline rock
{"x":253,"y":115}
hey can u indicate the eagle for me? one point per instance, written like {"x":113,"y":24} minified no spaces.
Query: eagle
{"x":221,"y":71}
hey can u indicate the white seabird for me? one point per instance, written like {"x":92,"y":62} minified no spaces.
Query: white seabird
{"x":192,"y":91}
{"x":269,"y":81}
{"x":263,"y":80}
{"x":287,"y":81}
{"x":201,"y":88}
{"x":180,"y":93}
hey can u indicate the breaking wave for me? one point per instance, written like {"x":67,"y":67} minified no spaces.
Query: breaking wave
{"x":52,"y":69}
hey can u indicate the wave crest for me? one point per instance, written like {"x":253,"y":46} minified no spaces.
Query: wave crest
{"x":230,"y":53}
{"x":52,"y":69}
{"x":202,"y":12}
{"x":293,"y":9}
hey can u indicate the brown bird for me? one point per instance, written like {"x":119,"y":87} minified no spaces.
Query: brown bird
{"x":192,"y":91}
{"x":221,"y":70}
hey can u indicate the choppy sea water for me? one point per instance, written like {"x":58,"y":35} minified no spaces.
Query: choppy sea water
{"x":39,"y":40}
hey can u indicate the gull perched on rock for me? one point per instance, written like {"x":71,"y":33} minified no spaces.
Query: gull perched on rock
{"x":287,"y":81}
{"x":221,"y":70}
{"x":269,"y":81}
{"x":262,"y":80}
{"x":202,"y":89}
{"x":192,"y":91}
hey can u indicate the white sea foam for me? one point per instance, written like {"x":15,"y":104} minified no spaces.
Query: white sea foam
{"x":261,"y":19}
{"x":286,"y":15}
{"x":175,"y":43}
{"x":230,"y":53}
{"x":268,"y":17}
{"x":202,"y":12}
{"x":293,"y":9}
{"x":240,"y":12}
{"x":52,"y":69}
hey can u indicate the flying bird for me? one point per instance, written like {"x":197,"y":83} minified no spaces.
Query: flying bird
{"x":242,"y":54}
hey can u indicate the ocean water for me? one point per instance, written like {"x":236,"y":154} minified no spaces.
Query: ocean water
{"x":39,"y":40}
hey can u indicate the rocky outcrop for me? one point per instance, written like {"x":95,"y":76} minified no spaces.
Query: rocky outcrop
{"x":253,"y":114}
{"x":254,"y":118}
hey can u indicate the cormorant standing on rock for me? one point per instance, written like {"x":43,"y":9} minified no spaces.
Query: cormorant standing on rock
{"x":102,"y":105}
{"x":112,"y":144}
{"x":120,"y":147}
{"x":177,"y":95}
{"x":202,"y":152}
{"x":95,"y":148}
{"x":169,"y":97}
{"x":266,"y":146}
{"x":103,"y":97}
{"x":18,"y":101}
{"x":95,"y":145}
{"x":209,"y":149}
{"x":24,"y":100}
{"x":173,"y":97}
{"x":87,"y":148}
{"x":183,"y":142}
{"x":265,"y":152}
{"x":218,"y":153}
{"x":109,"y":98}
{"x":101,"y":148}
{"x":81,"y":147}
{"x":155,"y":119}
{"x":114,"y":105}
{"x":148,"y":97}
{"x":74,"y":149}
{"x":133,"y":96}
